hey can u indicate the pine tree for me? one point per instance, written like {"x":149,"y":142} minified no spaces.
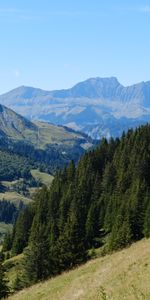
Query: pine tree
{"x":121,"y":233}
{"x":7,"y":244}
{"x":36,"y":259}
{"x":71,"y":246}
{"x":21,"y":230}
{"x":137,"y":210}
{"x":4,"y":290}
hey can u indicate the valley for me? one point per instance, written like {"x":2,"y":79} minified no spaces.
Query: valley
{"x":75,"y":150}
{"x":31,"y":153}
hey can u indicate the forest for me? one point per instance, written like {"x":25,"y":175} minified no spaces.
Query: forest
{"x":102,"y":202}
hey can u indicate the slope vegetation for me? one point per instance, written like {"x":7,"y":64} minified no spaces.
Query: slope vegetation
{"x":31,"y":152}
{"x":38,"y":134}
{"x":122,"y":275}
{"x":101,"y":202}
{"x":25,"y":145}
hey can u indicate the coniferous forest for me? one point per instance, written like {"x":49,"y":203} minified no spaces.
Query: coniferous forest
{"x":103,"y":201}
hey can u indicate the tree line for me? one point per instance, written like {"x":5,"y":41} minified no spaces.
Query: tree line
{"x":104,"y":201}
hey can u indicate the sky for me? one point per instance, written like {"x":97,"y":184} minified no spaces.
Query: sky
{"x":55,"y":44}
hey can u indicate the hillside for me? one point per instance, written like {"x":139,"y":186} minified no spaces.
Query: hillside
{"x":97,"y":106}
{"x":122,"y":275}
{"x":38,"y":134}
{"x":25,"y":145}
{"x":30,"y":152}
{"x":102,"y":202}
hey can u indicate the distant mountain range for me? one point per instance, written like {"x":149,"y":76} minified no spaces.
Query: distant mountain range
{"x":98,"y":106}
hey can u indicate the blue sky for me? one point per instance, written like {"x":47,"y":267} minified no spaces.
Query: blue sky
{"x":55,"y":44}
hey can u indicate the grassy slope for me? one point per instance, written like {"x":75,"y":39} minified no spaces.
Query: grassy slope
{"x":122,"y":275}
{"x":51,"y":134}
{"x":13,"y":266}
{"x":14,"y":197}
{"x":44,"y":178}
{"x":36,"y":133}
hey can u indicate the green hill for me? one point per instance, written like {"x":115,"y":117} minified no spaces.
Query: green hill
{"x":38,"y":134}
{"x":34,"y":144}
{"x":38,"y":146}
{"x":25,"y":145}
{"x":100,"y":203}
{"x":123,"y":275}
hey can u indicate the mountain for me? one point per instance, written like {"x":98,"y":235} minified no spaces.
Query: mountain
{"x":122,"y":275}
{"x":39,"y":142}
{"x":98,"y":106}
{"x":14,"y":126}
{"x":30,"y":150}
{"x":39,"y":134}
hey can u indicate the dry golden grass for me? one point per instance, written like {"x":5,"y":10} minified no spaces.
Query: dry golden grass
{"x":14,"y":197}
{"x":124,"y":275}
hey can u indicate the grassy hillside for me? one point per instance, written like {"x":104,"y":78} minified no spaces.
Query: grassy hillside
{"x":12,"y":265}
{"x":38,"y":134}
{"x":122,"y":275}
{"x":14,"y":197}
{"x":51,"y":134}
{"x":42,"y":177}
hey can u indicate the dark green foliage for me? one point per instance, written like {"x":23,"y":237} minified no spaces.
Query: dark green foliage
{"x":13,"y":166}
{"x":4,"y":290}
{"x":21,"y":230}
{"x":70,"y":248}
{"x":36,"y":262}
{"x":7,"y":243}
{"x":37,"y":254}
{"x":17,"y":158}
{"x":8,"y":212}
{"x":105,"y":198}
{"x":18,"y":283}
{"x":121,"y":233}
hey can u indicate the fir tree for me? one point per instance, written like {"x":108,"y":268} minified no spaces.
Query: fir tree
{"x":4,"y":290}
{"x":105,"y":198}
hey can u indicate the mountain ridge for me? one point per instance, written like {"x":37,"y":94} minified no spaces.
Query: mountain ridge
{"x":88,"y":103}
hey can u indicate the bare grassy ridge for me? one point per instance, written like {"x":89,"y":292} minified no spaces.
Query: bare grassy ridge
{"x":124,"y":275}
